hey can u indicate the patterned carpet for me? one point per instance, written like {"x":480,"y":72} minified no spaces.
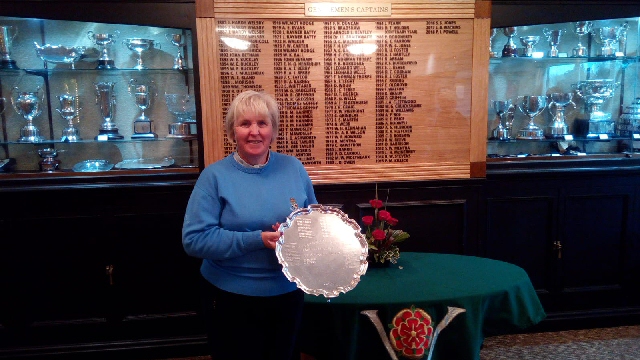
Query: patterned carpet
{"x":615,"y":343}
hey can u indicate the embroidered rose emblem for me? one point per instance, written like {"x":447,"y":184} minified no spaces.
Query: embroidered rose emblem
{"x":411,"y":333}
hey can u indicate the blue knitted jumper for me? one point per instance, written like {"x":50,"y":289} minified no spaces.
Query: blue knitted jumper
{"x":230,"y":206}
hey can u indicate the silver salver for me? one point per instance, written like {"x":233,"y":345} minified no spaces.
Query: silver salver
{"x":322,"y":250}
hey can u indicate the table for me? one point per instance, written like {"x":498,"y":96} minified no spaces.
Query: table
{"x":498,"y":297}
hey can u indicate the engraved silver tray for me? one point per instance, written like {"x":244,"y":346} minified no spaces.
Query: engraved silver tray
{"x":322,"y":250}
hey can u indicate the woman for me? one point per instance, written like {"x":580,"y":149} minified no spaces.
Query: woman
{"x":252,"y":310}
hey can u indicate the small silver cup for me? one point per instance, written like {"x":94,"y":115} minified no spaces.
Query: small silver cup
{"x":177,"y":40}
{"x":529,"y":43}
{"x":553,"y":36}
{"x":510,"y":49}
{"x":581,"y":28}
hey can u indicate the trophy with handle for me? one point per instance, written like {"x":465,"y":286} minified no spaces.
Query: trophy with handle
{"x":106,"y":100}
{"x":501,"y":132}
{"x":139,"y":45}
{"x":7,"y":34}
{"x":531,"y":106}
{"x":68,"y":110}
{"x":104,"y":41}
{"x":510,"y":49}
{"x":559,"y":101}
{"x":581,"y":28}
{"x":553,"y":36}
{"x":29,"y":105}
{"x":144,"y":96}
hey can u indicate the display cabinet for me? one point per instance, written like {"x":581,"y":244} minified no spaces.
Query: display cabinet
{"x":96,"y":96}
{"x":560,"y":91}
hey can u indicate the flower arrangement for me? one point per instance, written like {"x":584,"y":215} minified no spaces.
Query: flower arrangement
{"x":381,"y":236}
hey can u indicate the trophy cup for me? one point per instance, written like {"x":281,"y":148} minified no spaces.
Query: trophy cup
{"x":29,"y":105}
{"x":531,"y":106}
{"x":553,"y":36}
{"x":595,"y":93}
{"x":68,"y":111}
{"x":104,"y":41}
{"x":183,"y":107}
{"x":492,"y":53}
{"x":559,"y":128}
{"x":500,"y":107}
{"x":176,"y":40}
{"x":143,"y":95}
{"x":7,"y":34}
{"x":581,"y":28}
{"x":609,"y":37}
{"x":48,"y":162}
{"x":510,"y":49}
{"x":529,"y":42}
{"x":106,"y":100}
{"x":139,"y":45}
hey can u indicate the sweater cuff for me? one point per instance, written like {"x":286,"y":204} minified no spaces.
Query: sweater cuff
{"x":253,"y":240}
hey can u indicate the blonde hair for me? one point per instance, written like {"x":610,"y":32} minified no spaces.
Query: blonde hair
{"x":259,"y":103}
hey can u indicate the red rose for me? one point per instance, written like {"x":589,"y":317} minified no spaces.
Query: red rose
{"x":376,"y":204}
{"x":384,"y":215}
{"x":379,"y":234}
{"x":411,"y":333}
{"x":392,"y":221}
{"x":367,"y":220}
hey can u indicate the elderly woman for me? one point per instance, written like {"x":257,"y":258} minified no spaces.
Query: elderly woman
{"x":251,"y":309}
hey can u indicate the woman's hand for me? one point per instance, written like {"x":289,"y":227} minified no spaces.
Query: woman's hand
{"x":269,"y":238}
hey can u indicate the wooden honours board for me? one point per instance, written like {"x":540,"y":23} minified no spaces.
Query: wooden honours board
{"x":361,"y":99}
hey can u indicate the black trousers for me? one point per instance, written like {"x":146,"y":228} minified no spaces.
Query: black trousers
{"x":252,"y":327}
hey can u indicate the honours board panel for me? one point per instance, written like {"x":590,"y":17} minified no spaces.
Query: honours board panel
{"x":356,"y":93}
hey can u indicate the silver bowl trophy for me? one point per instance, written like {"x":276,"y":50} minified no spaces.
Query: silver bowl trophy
{"x":510,"y":49}
{"x":492,"y":53}
{"x":531,"y":106}
{"x":7,"y":34}
{"x":139,"y":45}
{"x":48,"y":162}
{"x":183,"y":107}
{"x":595,"y":92}
{"x":558,"y":128}
{"x":177,"y":40}
{"x":59,"y":54}
{"x":581,"y":28}
{"x":553,"y":36}
{"x":29,"y":105}
{"x":501,"y":132}
{"x":69,"y":110}
{"x":322,"y":250}
{"x":529,"y":42}
{"x":144,"y":96}
{"x":104,"y":41}
{"x":106,"y":100}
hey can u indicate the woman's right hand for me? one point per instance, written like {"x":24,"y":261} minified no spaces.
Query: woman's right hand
{"x":269,"y":238}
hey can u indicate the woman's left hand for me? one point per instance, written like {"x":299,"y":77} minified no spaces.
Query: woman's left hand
{"x":269,"y":238}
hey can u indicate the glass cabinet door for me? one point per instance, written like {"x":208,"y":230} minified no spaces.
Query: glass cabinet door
{"x":94,"y":97}
{"x":566,"y":89}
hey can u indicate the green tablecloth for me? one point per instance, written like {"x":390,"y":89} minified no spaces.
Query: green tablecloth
{"x":497,"y":297}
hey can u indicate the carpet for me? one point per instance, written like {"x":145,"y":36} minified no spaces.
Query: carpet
{"x":616,"y":343}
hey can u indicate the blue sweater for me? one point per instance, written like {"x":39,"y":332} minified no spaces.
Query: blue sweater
{"x":229,"y":207}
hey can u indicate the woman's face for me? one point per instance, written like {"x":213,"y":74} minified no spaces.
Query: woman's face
{"x":253,"y":134}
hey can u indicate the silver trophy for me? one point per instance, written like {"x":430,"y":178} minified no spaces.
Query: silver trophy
{"x":106,"y":100}
{"x":559,"y":101}
{"x":69,"y":110}
{"x":139,"y":45}
{"x":501,"y":132}
{"x":531,"y":106}
{"x":143,"y":95}
{"x":510,"y":49}
{"x":104,"y":41}
{"x":59,"y":54}
{"x":29,"y":105}
{"x":492,"y":53}
{"x":609,"y":37}
{"x":529,"y":42}
{"x":553,"y":36}
{"x":595,"y":92}
{"x":183,"y":107}
{"x":49,"y":163}
{"x":7,"y":34}
{"x":177,"y":40}
{"x":581,"y":28}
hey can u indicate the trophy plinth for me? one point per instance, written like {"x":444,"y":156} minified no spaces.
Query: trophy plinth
{"x":8,"y":65}
{"x":106,"y":64}
{"x":531,"y":106}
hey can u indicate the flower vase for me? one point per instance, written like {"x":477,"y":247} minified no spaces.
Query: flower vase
{"x":376,"y":264}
